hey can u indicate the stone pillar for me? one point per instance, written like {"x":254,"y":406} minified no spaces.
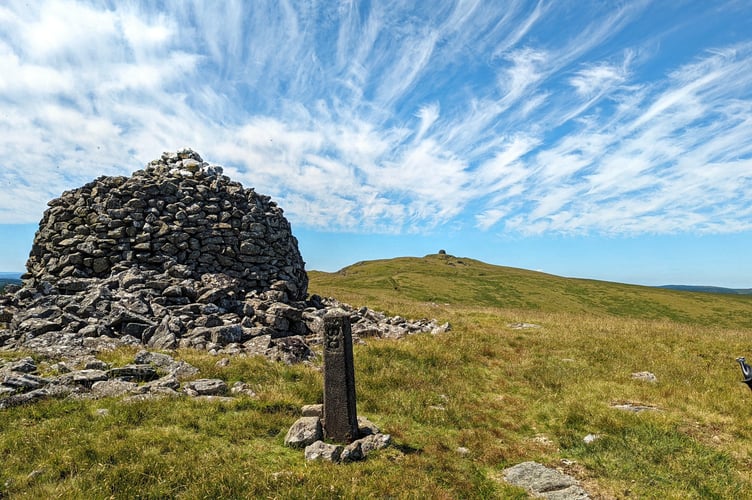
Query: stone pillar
{"x":340,"y":418}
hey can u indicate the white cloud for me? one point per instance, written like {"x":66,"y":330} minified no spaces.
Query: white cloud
{"x":383,"y":117}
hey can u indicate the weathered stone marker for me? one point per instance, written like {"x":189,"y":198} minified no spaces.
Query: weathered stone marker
{"x":340,"y":417}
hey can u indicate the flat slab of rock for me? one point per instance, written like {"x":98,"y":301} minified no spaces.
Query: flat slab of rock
{"x":544,"y":482}
{"x":634,"y":407}
{"x":206,"y":387}
{"x":323,"y":451}
{"x":645,"y":376}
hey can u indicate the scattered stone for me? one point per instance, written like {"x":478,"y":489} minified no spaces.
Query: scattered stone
{"x":308,"y":431}
{"x":544,"y":482}
{"x":213,"y":399}
{"x":305,"y":431}
{"x":154,"y":358}
{"x":645,"y":376}
{"x":463,"y":451}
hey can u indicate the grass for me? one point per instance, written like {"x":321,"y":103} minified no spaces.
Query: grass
{"x":505,"y":395}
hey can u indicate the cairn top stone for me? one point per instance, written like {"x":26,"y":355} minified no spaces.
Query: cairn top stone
{"x":179,"y":215}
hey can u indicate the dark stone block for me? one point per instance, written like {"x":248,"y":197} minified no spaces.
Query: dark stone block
{"x":340,"y":415}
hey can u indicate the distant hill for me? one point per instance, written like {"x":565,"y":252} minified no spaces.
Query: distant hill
{"x":8,"y":279}
{"x":709,"y":289}
{"x":445,"y":279}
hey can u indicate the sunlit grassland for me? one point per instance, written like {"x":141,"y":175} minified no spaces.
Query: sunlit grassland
{"x":460,"y":406}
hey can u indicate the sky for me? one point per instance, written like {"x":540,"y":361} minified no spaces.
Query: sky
{"x":596,"y":139}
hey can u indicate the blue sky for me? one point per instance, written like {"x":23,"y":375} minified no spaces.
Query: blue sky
{"x":596,"y":139}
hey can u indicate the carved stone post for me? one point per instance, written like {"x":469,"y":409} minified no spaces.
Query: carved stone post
{"x":340,"y":420}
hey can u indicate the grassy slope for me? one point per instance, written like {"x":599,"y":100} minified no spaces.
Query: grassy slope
{"x":505,"y":395}
{"x":461,"y":282}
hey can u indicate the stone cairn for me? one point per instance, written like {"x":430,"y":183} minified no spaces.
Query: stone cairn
{"x":176,"y":255}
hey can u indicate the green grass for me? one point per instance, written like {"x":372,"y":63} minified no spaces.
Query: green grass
{"x":506,"y":395}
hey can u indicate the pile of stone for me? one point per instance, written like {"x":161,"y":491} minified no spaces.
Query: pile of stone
{"x":151,"y":375}
{"x":365,"y":322}
{"x":177,"y":255}
{"x":307,"y":432}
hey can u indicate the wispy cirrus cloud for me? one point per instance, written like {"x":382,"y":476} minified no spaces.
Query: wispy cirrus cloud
{"x":530,"y":117}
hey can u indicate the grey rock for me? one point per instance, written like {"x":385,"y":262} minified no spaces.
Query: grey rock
{"x":168,"y":382}
{"x":544,"y":482}
{"x":645,"y":376}
{"x":316,"y":410}
{"x":305,"y":431}
{"x":140,"y":373}
{"x":352,"y":452}
{"x":242,"y":389}
{"x":25,"y":365}
{"x":182,"y":370}
{"x":634,"y":407}
{"x":112,"y":388}
{"x":290,"y":350}
{"x":25,"y":398}
{"x":86,"y":377}
{"x":374,"y":442}
{"x":96,"y":364}
{"x":366,"y":427}
{"x":23,"y":381}
{"x":153,"y":358}
{"x":323,"y":451}
{"x":205,"y":387}
{"x":222,"y":335}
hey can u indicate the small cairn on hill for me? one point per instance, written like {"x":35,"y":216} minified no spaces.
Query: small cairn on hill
{"x":176,"y":255}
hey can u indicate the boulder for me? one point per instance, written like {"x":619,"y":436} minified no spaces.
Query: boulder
{"x":305,"y":431}
{"x":323,"y":451}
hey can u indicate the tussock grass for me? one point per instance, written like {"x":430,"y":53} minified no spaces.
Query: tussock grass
{"x":460,"y":406}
